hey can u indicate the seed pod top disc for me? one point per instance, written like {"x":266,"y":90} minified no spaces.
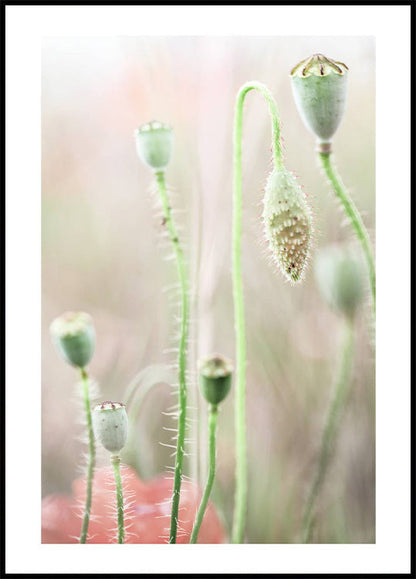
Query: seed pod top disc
{"x":154,"y":144}
{"x":215,"y":377}
{"x":110,"y":425}
{"x":320,"y":89}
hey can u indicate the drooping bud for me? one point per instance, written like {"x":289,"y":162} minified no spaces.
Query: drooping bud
{"x":110,"y":424}
{"x":287,"y":221}
{"x":320,"y":89}
{"x":154,"y":144}
{"x":340,"y":275}
{"x":74,"y":337}
{"x":215,"y":377}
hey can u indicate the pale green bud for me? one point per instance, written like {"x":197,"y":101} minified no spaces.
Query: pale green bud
{"x":74,"y":337}
{"x":154,"y":145}
{"x":110,"y":424}
{"x":287,"y":221}
{"x":341,"y":275}
{"x":320,"y":89}
{"x":215,"y":377}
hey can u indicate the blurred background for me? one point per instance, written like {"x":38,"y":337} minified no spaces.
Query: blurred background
{"x":104,"y":252}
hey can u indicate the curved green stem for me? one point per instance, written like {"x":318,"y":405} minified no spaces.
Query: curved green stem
{"x":115,"y":460}
{"x":331,"y":427}
{"x":240,"y":406}
{"x":213,"y":413}
{"x":91,"y":457}
{"x":180,"y":265}
{"x":131,"y":453}
{"x":142,"y":393}
{"x":352,"y":212}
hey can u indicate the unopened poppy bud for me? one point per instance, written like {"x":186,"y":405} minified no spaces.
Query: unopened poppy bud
{"x":287,"y":221}
{"x":154,"y":144}
{"x":215,"y":377}
{"x":340,"y":275}
{"x":110,"y":425}
{"x":320,"y":89}
{"x":74,"y":337}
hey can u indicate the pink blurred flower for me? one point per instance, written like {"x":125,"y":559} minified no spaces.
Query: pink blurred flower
{"x":147,"y":511}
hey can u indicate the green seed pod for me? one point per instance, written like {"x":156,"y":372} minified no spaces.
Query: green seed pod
{"x":287,"y":221}
{"x":154,"y":144}
{"x":215,"y":377}
{"x":110,"y":425}
{"x":74,"y":337}
{"x":341,"y":275}
{"x":320,"y":89}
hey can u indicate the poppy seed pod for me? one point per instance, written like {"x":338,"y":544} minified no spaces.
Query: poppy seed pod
{"x":74,"y":337}
{"x":110,"y":425}
{"x":320,"y":89}
{"x":340,"y":275}
{"x":154,"y":145}
{"x":215,"y":376}
{"x":287,"y":221}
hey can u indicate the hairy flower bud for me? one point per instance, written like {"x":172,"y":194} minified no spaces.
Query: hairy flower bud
{"x":74,"y":337}
{"x":320,"y":88}
{"x":154,"y":144}
{"x":215,"y":376}
{"x":341,"y":275}
{"x":110,"y":425}
{"x":288,"y":223}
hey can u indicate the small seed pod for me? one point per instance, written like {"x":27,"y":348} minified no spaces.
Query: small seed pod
{"x":215,"y":377}
{"x":74,"y":337}
{"x":340,"y":275}
{"x":320,"y":89}
{"x":154,"y":144}
{"x":110,"y":425}
{"x":287,"y":221}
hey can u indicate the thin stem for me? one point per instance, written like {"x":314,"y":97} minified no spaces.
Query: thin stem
{"x":182,"y":359}
{"x":212,"y":425}
{"x":352,"y":212}
{"x":91,"y":457}
{"x":115,"y":460}
{"x":239,"y":319}
{"x":331,"y":426}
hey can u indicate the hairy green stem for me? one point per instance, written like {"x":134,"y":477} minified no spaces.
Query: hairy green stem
{"x":352,"y":212}
{"x":182,"y":359}
{"x":91,"y":457}
{"x":239,"y":320}
{"x":115,"y":460}
{"x":213,"y":413}
{"x":331,"y":427}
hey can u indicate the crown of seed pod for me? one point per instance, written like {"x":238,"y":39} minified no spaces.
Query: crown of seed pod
{"x":215,"y":377}
{"x":287,"y":221}
{"x":340,"y":275}
{"x":74,"y":337}
{"x":110,"y":424}
{"x":154,"y":144}
{"x":320,"y":89}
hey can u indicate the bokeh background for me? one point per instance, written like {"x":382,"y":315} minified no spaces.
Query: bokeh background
{"x":104,"y":252}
